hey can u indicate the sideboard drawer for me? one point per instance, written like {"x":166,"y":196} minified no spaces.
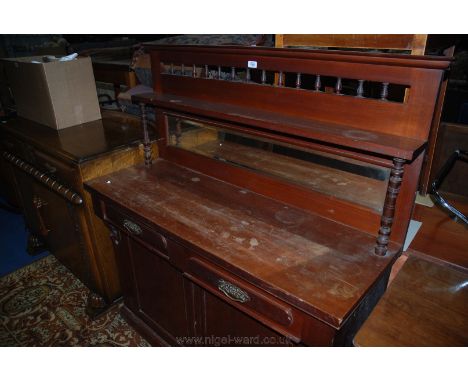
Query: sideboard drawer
{"x":11,"y":145}
{"x":136,"y":228}
{"x":266,"y":309}
{"x":64,"y":173}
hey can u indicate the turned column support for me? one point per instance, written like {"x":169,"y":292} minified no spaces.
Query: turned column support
{"x":146,"y":140}
{"x":386,"y":221}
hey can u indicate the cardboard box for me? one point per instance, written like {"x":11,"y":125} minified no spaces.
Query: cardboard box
{"x":56,"y":94}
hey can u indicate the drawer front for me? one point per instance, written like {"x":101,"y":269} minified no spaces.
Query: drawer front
{"x":62,"y":172}
{"x":13,"y":146}
{"x":266,"y":309}
{"x":136,"y":228}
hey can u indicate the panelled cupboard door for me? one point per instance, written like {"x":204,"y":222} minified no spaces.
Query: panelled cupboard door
{"x":125,"y":268}
{"x":159,"y":291}
{"x":7,"y":179}
{"x":25,"y":187}
{"x":216,"y":323}
{"x":59,"y":224}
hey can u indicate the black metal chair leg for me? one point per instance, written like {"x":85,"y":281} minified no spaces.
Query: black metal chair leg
{"x":441,"y":175}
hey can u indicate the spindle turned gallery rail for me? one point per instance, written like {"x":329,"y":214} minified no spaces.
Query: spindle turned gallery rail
{"x":245,"y":75}
{"x":253,"y":220}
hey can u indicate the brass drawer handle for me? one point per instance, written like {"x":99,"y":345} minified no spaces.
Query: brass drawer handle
{"x":233,"y":292}
{"x":132,"y":227}
{"x":164,"y":241}
{"x":50,"y":169}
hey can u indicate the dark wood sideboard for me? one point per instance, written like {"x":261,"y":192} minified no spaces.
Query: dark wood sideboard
{"x":46,"y":169}
{"x":276,"y":209}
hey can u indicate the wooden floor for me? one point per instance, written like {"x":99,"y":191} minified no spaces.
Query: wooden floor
{"x":440,"y":236}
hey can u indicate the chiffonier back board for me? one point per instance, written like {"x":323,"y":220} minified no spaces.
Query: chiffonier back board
{"x":378,"y":113}
{"x":282,"y":192}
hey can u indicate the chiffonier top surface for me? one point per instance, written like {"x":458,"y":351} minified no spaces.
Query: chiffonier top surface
{"x":79,"y":143}
{"x":320,"y":266}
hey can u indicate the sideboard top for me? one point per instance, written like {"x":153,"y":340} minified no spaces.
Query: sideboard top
{"x":79,"y":143}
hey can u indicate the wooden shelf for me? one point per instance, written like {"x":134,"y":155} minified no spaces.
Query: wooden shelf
{"x":326,"y":133}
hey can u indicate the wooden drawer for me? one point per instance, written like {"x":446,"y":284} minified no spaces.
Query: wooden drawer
{"x":62,"y":172}
{"x":136,"y":228}
{"x":12,"y":145}
{"x":266,"y":309}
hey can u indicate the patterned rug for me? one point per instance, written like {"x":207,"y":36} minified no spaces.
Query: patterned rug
{"x":43,"y":304}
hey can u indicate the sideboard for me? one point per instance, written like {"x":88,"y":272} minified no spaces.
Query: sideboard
{"x":276,"y":208}
{"x":46,"y":169}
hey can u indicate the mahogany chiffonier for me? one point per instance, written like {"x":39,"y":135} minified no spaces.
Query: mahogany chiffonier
{"x":276,"y":209}
{"x":46,"y":169}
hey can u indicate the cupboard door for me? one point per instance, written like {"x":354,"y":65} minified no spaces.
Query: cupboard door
{"x":25,"y":193}
{"x":159,"y":291}
{"x":59,"y":224}
{"x":216,"y":323}
{"x":125,"y":268}
{"x":7,"y":178}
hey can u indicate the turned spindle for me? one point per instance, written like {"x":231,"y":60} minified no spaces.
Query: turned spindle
{"x":247,"y":75}
{"x":178,"y":131}
{"x":280,"y":79}
{"x":338,"y":86}
{"x":318,"y":83}
{"x":146,"y":140}
{"x":233,"y":73}
{"x":360,"y":89}
{"x":386,"y":221}
{"x":384,"y":93}
{"x":263,"y":77}
{"x":219,"y":72}
{"x":172,"y":68}
{"x":206,"y":72}
{"x":298,"y":80}
{"x":194,"y":71}
{"x":183,"y":69}
{"x":44,"y":178}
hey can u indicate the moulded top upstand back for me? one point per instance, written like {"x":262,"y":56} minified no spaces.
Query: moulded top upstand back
{"x":56,"y":94}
